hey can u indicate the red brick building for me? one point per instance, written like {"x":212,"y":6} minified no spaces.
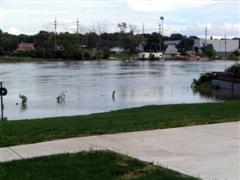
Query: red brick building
{"x":25,"y":47}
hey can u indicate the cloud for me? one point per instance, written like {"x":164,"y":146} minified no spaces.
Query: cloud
{"x":30,"y":12}
{"x":14,"y":30}
{"x":181,"y":16}
{"x":218,"y":30}
{"x":167,"y":5}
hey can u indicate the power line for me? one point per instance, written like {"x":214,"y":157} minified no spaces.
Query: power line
{"x":160,"y":38}
{"x":225,"y":45}
{"x":143,"y":29}
{"x":77,"y":31}
{"x":143,"y":36}
{"x":161,"y":34}
{"x":206,"y":33}
{"x":55,"y":33}
{"x":162,"y":19}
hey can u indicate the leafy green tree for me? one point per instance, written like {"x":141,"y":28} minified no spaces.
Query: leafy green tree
{"x":25,"y":38}
{"x":152,"y":42}
{"x":235,"y":69}
{"x":91,"y":40}
{"x":193,"y":37}
{"x":236,"y":53}
{"x":8,"y":43}
{"x":208,"y":51}
{"x":44,"y":44}
{"x":131,"y":42}
{"x":106,"y":53}
{"x":176,"y":37}
{"x":185,"y":45}
{"x":88,"y":45}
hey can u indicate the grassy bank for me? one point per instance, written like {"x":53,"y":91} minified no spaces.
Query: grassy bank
{"x":85,"y":165}
{"x":25,"y":59}
{"x":123,"y":57}
{"x":31,"y":59}
{"x":135,"y":119}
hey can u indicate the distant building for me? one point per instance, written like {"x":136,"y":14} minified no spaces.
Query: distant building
{"x":171,"y":51}
{"x":140,"y":47}
{"x":25,"y":47}
{"x":116,"y":50}
{"x":222,"y":47}
{"x":60,"y":48}
{"x":150,"y":55}
{"x":172,"y":42}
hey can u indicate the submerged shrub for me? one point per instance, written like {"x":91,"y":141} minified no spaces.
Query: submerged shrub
{"x":207,"y":77}
{"x":235,"y":69}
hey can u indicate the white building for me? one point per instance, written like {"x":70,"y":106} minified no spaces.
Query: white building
{"x":171,"y":50}
{"x":150,"y":55}
{"x":172,"y":42}
{"x":222,"y":47}
{"x":116,"y":50}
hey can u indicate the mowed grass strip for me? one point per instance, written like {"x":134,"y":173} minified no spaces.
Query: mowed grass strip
{"x":128,"y":120}
{"x":85,"y":165}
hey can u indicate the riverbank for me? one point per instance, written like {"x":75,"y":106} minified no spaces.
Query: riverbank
{"x":115,"y":57}
{"x":27,"y":59}
{"x":128,"y":120}
{"x":87,"y":165}
{"x":123,"y":57}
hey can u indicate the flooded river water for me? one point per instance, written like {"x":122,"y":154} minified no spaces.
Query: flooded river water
{"x":89,"y":85}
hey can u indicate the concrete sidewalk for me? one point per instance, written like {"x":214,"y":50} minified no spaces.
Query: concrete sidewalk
{"x":208,"y":152}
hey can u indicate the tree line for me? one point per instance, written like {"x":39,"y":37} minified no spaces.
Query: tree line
{"x":90,"y":45}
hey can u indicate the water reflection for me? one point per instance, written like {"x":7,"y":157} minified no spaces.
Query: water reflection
{"x":223,"y":94}
{"x":89,"y":85}
{"x":23,"y":108}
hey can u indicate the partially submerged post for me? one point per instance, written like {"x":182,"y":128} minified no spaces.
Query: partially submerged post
{"x":3,"y":92}
{"x":24,"y":99}
{"x":113,"y":95}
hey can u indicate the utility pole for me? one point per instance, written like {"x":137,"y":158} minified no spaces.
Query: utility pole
{"x":3,"y":92}
{"x":206,"y":32}
{"x":143,"y":29}
{"x":143,"y":32}
{"x":77,"y":31}
{"x":160,"y":38}
{"x":1,"y":103}
{"x":55,"y":34}
{"x":225,"y":45}
{"x":162,"y":19}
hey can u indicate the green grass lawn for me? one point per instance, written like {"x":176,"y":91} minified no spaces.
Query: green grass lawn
{"x":128,"y":120}
{"x":123,"y":56}
{"x":102,"y":165}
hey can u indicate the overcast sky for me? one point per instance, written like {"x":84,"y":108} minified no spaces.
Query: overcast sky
{"x":189,"y":17}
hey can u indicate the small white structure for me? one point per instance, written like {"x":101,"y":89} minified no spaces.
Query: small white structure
{"x":150,"y":55}
{"x":116,"y":50}
{"x":171,"y":50}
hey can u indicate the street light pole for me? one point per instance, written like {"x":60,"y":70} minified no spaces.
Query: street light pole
{"x":3,"y":92}
{"x":162,"y":19}
{"x":1,"y":103}
{"x":160,"y":38}
{"x":55,"y":34}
